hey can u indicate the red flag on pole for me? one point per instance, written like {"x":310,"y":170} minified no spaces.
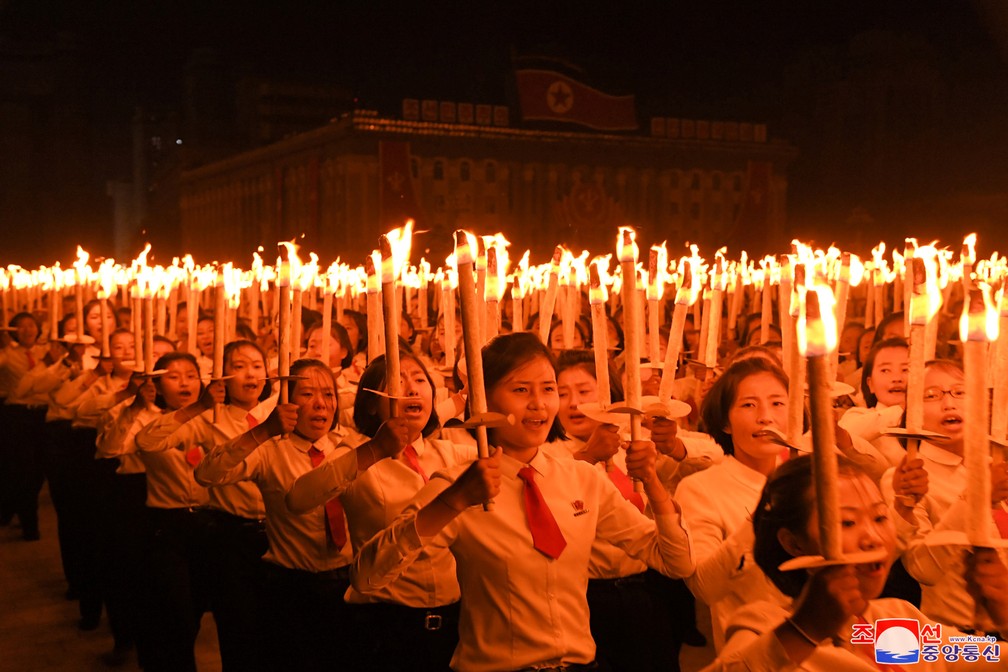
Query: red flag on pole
{"x":550,"y":96}
{"x":397,"y":193}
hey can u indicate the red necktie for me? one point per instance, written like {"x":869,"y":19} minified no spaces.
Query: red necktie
{"x":546,"y":535}
{"x":193,"y":456}
{"x":410,"y":458}
{"x":250,"y":419}
{"x":31,"y":360}
{"x":625,"y":486}
{"x":1001,"y":520}
{"x":335,"y":527}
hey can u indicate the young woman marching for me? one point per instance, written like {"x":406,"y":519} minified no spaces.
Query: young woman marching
{"x":523,"y":568}
{"x":422,"y":605}
{"x":833,"y":604}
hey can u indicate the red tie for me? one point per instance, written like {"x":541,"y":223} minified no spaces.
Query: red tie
{"x":335,"y":527}
{"x":250,"y":419}
{"x":31,"y":360}
{"x":1001,"y":520}
{"x":410,"y":457}
{"x":193,"y":456}
{"x":546,"y":535}
{"x":625,"y":486}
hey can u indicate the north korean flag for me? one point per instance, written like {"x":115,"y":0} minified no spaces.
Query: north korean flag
{"x":551,"y":96}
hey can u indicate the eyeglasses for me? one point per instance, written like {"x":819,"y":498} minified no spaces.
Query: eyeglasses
{"x":937,"y":393}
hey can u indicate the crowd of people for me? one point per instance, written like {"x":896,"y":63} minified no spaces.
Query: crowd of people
{"x":336,"y":527}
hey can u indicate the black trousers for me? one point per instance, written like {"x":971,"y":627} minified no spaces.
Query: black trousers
{"x":124,"y":574}
{"x":24,"y":438}
{"x":637,"y":621}
{"x":408,"y":638}
{"x":235,"y":547}
{"x":61,"y":467}
{"x":178,"y":592}
{"x":306,"y":625}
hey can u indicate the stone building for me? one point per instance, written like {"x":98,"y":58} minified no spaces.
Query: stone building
{"x":339,"y":186}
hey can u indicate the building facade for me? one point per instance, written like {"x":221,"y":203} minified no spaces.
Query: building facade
{"x":338,"y":187}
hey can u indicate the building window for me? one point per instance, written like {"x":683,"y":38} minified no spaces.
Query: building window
{"x":465,"y":171}
{"x":439,"y":170}
{"x":490,"y":172}
{"x":695,"y":182}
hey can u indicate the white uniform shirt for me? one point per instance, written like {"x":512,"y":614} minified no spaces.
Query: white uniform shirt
{"x":239,"y":499}
{"x":869,"y":423}
{"x":941,"y":569}
{"x":717,"y":505}
{"x":520,"y":608}
{"x":376,"y":497}
{"x":117,"y":432}
{"x":170,"y":480}
{"x":296,"y":541}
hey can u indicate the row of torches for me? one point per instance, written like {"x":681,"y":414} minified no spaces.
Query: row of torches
{"x":813,"y":291}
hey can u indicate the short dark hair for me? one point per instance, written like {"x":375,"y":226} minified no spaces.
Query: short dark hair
{"x":365,"y":410}
{"x":880,"y":328}
{"x":339,"y":332}
{"x":302,"y":365}
{"x":786,"y":503}
{"x":507,"y":352}
{"x":720,"y":398}
{"x":869,"y":365}
{"x":14,"y":321}
{"x":360,"y":319}
{"x":585,"y":360}
{"x":162,"y":363}
{"x":229,"y":351}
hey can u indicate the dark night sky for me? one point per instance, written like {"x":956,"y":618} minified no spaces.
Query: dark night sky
{"x":722,"y":60}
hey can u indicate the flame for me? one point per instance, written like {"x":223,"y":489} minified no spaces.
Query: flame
{"x":626,"y":244}
{"x":497,"y":265}
{"x":657,"y":271}
{"x":690,"y":283}
{"x":231,"y":278}
{"x":968,"y":255}
{"x":106,"y":279}
{"x":401,"y":243}
{"x":289,"y":270}
{"x":926,"y":300}
{"x":816,"y":334}
{"x":979,"y":321}
{"x":599,"y":269}
{"x":372,"y":263}
{"x":83,"y":270}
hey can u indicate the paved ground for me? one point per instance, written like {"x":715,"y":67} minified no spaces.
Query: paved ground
{"x":38,"y":626}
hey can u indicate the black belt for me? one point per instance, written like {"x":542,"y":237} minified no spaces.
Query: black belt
{"x":430,"y":619}
{"x":225,"y":519}
{"x":632,"y":581}
{"x":561,"y":667}
{"x":338,"y":574}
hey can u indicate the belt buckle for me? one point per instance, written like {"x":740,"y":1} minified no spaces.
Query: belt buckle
{"x":432,"y":622}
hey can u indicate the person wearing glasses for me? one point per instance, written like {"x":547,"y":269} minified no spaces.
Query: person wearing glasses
{"x":940,"y":569}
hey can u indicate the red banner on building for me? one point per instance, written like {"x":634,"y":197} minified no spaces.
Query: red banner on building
{"x":550,"y":96}
{"x":398,"y":196}
{"x":752,"y":225}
